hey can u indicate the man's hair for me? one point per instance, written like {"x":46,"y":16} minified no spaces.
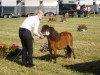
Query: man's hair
{"x":38,"y":12}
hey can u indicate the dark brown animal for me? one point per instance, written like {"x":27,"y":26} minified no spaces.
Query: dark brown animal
{"x":58,"y":41}
{"x":52,"y":19}
{"x":63,"y":19}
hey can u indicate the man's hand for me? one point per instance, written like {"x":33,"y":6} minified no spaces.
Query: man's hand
{"x":41,"y":36}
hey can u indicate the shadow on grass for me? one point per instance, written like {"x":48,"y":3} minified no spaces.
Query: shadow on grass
{"x":44,"y":57}
{"x":15,"y":59}
{"x":47,"y":57}
{"x":88,"y":67}
{"x":15,"y":56}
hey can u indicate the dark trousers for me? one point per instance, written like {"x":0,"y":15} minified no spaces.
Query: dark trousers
{"x":79,"y":13}
{"x":27,"y":45}
{"x":85,"y":13}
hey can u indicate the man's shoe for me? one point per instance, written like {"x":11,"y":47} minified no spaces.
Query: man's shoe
{"x":31,"y":65}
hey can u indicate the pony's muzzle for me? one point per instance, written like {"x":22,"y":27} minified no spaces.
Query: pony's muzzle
{"x":47,"y":33}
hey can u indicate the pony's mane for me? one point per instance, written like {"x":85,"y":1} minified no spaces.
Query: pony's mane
{"x":54,"y":34}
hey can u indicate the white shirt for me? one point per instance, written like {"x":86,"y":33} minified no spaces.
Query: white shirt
{"x":30,"y":22}
{"x":88,"y":8}
{"x":78,"y":7}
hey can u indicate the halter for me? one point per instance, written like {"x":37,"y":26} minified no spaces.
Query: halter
{"x":47,"y":33}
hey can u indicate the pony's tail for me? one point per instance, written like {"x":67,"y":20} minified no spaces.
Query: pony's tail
{"x":69,"y":51}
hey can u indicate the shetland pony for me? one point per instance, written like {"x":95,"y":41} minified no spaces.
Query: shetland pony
{"x":58,"y":41}
{"x":52,"y":19}
{"x":63,"y":19}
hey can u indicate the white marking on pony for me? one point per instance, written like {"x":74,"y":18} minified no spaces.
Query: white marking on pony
{"x":46,"y":33}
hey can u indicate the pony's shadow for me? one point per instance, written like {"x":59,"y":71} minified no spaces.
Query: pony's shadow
{"x":47,"y":57}
{"x":44,"y":57}
{"x":88,"y":67}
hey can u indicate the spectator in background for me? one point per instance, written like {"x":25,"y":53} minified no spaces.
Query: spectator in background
{"x":88,"y":10}
{"x":85,"y":11}
{"x":78,"y":11}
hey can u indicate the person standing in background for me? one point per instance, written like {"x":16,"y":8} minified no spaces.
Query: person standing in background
{"x":78,"y":11}
{"x":88,"y":10}
{"x":85,"y":11}
{"x":29,"y":26}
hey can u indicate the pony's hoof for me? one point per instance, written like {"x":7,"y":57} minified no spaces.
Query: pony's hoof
{"x":74,"y":57}
{"x":65,"y":56}
{"x":55,"y":62}
{"x":50,"y":60}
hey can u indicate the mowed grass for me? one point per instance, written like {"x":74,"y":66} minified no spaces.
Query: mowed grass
{"x":86,"y":45}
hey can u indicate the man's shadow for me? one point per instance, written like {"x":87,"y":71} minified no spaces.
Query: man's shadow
{"x":15,"y":56}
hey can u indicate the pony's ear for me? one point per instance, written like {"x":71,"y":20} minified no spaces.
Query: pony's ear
{"x":46,"y":26}
{"x":51,"y":28}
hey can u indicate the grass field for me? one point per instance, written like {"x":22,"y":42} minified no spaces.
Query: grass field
{"x":86,"y":44}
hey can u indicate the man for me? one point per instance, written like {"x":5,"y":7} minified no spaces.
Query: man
{"x":88,"y":10}
{"x":25,"y":34}
{"x":78,"y":11}
{"x":85,"y":11}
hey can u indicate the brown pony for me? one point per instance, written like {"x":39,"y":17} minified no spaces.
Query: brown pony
{"x":57,"y":41}
{"x":52,"y":19}
{"x":63,"y":19}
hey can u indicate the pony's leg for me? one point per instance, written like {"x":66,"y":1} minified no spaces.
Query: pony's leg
{"x":66,"y":53}
{"x":51,"y":55}
{"x":55,"y":56}
{"x":73,"y":53}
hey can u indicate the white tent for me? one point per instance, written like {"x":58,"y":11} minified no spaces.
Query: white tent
{"x":32,"y":3}
{"x":50,"y":3}
{"x":97,"y":2}
{"x":8,"y":2}
{"x":86,"y":2}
